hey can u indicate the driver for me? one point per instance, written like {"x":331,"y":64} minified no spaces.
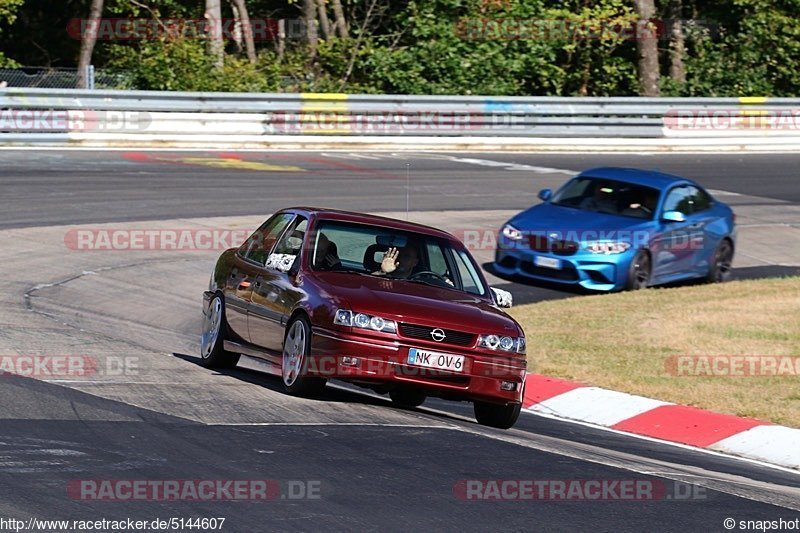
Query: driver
{"x":399,"y":263}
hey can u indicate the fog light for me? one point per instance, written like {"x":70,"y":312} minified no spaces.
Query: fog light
{"x":349,"y":361}
{"x":508,"y":386}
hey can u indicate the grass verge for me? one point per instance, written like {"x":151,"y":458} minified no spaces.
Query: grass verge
{"x":629,"y":342}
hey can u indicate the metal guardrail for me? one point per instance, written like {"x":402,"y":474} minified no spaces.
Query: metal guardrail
{"x":99,"y":114}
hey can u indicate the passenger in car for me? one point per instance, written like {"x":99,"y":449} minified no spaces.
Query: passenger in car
{"x":327,"y":254}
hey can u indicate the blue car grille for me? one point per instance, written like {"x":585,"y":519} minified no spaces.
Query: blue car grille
{"x":566,"y":273}
{"x":540,"y":243}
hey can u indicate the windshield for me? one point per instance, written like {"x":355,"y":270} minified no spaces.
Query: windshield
{"x":607,"y":196}
{"x":385,"y":252}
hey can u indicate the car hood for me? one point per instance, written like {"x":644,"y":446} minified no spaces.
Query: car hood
{"x":417,"y":303}
{"x":553,"y":218}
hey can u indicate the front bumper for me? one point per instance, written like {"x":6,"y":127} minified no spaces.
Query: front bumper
{"x":354,"y":357}
{"x":596,"y":272}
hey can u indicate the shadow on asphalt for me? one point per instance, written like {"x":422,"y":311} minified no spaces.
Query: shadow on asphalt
{"x":268,"y":381}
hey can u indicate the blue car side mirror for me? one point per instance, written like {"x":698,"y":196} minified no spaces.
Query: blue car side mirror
{"x":545,"y":194}
{"x":673,"y":216}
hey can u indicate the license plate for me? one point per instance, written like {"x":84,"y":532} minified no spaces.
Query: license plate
{"x":440,"y":361}
{"x":547,"y":262}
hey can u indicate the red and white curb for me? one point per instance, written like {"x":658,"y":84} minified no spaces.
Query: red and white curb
{"x":745,"y":437}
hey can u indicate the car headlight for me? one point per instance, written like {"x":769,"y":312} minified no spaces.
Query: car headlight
{"x":502,"y":343}
{"x":607,"y":247}
{"x":512,"y":233}
{"x":345,"y":317}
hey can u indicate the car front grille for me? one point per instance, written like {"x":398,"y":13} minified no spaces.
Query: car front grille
{"x":566,"y":273}
{"x":540,"y":243}
{"x":415,"y":331}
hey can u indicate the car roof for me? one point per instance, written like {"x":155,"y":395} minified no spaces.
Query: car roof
{"x":364,"y":218}
{"x":649,"y":178}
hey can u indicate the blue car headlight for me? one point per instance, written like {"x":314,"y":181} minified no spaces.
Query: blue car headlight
{"x":511,"y":233}
{"x":607,"y":247}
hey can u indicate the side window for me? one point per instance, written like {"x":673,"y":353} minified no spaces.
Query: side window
{"x":702,"y":200}
{"x":436,"y":258}
{"x":288,"y":248}
{"x":679,"y":199}
{"x":258,"y":245}
{"x":469,"y":277}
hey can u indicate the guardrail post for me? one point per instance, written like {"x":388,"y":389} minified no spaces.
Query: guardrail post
{"x":90,"y":77}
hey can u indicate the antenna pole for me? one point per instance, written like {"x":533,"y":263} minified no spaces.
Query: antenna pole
{"x":408,"y":188}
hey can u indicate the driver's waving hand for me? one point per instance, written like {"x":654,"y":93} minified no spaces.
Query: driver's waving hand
{"x":398,"y":263}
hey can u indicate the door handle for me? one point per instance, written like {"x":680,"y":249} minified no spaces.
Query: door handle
{"x":258,"y":284}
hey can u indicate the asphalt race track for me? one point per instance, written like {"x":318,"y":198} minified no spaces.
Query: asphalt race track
{"x":373,"y":466}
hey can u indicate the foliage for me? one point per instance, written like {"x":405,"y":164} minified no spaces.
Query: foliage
{"x":182,"y":64}
{"x":733,"y":47}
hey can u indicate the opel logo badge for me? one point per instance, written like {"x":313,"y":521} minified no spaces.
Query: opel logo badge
{"x":438,"y":335}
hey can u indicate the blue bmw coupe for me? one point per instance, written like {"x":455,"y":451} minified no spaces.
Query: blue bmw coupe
{"x":616,"y":228}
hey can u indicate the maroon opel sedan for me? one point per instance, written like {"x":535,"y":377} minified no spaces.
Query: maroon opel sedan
{"x":397,"y":307}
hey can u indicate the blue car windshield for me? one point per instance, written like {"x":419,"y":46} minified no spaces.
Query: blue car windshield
{"x":609,"y":197}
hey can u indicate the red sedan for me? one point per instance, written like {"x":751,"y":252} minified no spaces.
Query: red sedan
{"x":397,"y":307}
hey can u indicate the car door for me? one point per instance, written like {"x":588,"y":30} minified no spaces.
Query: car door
{"x":276,"y":292}
{"x":701,"y":241}
{"x":672,"y":247}
{"x":248,"y":262}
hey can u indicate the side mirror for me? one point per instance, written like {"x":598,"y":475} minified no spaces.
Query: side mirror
{"x":502,"y":297}
{"x":673,"y":216}
{"x":545,"y":194}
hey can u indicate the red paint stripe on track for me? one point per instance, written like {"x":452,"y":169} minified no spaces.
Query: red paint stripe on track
{"x":687,"y":425}
{"x":539,"y":388}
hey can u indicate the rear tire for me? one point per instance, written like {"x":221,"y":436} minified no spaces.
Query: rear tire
{"x":720,"y":268}
{"x":407,"y":398}
{"x":294,"y":365}
{"x":639,"y":272}
{"x":212,"y":342}
{"x":497,"y":415}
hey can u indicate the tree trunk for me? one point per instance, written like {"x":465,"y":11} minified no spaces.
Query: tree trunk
{"x":281,"y":39}
{"x":340,"y":25}
{"x":677,"y":46}
{"x":647,"y":47}
{"x":324,"y":21}
{"x":215,"y":43}
{"x":310,"y":17}
{"x":247,"y":30}
{"x":88,"y":40}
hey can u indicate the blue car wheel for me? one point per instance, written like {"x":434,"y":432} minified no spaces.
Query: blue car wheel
{"x":639,"y":271}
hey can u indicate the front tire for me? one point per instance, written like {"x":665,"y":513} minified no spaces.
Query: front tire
{"x":497,"y":415}
{"x":639,"y":272}
{"x":294,"y":365}
{"x":212,"y":351}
